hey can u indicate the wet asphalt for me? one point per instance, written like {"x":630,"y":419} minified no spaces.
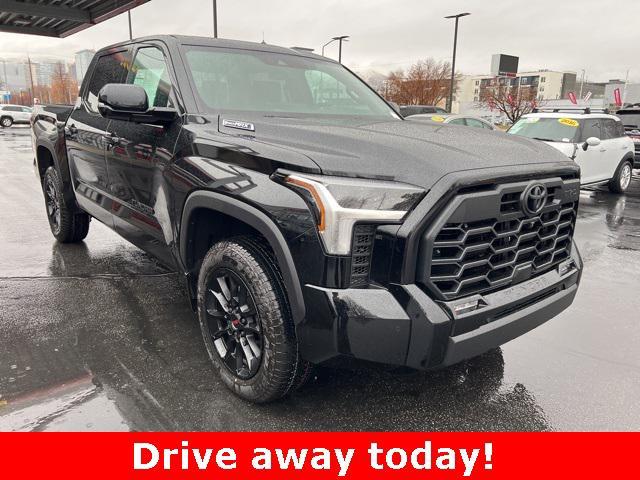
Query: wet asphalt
{"x":98,"y":336}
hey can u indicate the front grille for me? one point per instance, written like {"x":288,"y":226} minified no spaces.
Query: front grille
{"x":362,"y":249}
{"x":484,"y":241}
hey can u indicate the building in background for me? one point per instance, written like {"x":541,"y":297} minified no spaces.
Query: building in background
{"x":541,"y":84}
{"x":83,"y":59}
{"x":42,"y":72}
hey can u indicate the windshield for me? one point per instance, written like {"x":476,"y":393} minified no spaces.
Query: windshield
{"x":547,"y":129}
{"x":277,"y":84}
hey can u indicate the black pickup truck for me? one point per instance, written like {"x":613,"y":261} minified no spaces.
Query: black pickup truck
{"x":311,"y":222}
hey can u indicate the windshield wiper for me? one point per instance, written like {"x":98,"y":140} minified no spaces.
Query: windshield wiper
{"x":544,"y":139}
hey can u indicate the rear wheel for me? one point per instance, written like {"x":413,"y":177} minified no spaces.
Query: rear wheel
{"x":622,"y":178}
{"x":67,"y":226}
{"x":6,"y":122}
{"x":246,"y":321}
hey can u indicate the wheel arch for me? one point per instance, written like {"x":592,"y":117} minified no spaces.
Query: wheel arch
{"x":243,"y":219}
{"x":44,"y":159}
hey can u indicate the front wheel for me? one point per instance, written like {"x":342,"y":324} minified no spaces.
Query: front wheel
{"x":67,"y":225}
{"x":622,"y":178}
{"x":246,"y":322}
{"x":6,"y":122}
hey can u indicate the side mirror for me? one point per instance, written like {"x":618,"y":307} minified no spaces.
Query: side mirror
{"x":130,"y":103}
{"x":591,"y":142}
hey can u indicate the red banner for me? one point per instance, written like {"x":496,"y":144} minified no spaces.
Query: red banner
{"x":572,"y":98}
{"x":284,"y":456}
{"x":617,"y":97}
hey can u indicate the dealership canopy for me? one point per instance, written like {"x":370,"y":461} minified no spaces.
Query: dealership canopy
{"x":58,"y":18}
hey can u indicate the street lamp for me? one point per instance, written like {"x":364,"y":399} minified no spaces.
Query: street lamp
{"x":453,"y":62}
{"x":342,"y":38}
{"x":215,"y":19}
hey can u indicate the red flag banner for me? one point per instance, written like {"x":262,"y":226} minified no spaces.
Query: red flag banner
{"x":572,"y":98}
{"x":289,"y":456}
{"x":617,"y":97}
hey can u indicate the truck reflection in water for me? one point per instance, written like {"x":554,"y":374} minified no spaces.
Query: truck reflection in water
{"x":136,"y":362}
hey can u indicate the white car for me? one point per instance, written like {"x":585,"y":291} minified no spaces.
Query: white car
{"x":595,"y":141}
{"x":10,"y":114}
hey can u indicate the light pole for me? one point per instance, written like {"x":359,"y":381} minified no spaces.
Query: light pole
{"x":130,"y":29}
{"x":453,"y":61}
{"x":342,"y":38}
{"x":215,"y":19}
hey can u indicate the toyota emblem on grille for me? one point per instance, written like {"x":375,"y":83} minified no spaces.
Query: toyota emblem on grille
{"x":533,"y":199}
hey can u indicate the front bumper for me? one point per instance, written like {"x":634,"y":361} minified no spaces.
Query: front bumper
{"x":405,"y":326}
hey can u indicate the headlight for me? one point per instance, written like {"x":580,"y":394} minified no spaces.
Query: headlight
{"x":340,"y":203}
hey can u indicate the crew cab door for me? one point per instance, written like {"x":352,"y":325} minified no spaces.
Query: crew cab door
{"x":85,"y":136}
{"x":591,"y":161}
{"x":138,"y":156}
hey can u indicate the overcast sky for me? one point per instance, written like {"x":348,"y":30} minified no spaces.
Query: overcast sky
{"x":598,"y":36}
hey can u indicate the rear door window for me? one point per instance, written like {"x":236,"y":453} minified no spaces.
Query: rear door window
{"x":610,"y":129}
{"x":110,"y":68}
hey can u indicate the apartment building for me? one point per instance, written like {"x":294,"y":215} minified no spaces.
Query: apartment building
{"x":541,"y":85}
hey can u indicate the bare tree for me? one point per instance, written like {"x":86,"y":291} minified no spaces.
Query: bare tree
{"x":509,"y":100}
{"x":63,"y":87}
{"x":427,"y":82}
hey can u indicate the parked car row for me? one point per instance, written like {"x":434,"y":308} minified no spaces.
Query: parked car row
{"x":606,"y":147}
{"x":597,"y":142}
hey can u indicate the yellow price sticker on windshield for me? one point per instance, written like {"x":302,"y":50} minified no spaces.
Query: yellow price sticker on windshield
{"x":437,"y":118}
{"x":569,"y":122}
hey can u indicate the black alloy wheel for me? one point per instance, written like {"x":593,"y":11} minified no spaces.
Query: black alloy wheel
{"x":233,"y":323}
{"x":53,"y":204}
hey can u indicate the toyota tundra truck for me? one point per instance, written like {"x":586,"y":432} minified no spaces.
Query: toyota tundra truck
{"x":310,"y":222}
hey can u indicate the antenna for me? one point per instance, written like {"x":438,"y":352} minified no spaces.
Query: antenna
{"x":263,"y":42}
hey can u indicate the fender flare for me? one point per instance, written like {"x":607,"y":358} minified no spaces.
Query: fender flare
{"x":260,"y":222}
{"x":628,"y":157}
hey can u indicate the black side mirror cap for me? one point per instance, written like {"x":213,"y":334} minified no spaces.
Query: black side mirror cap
{"x":120,"y":97}
{"x":129,"y":103}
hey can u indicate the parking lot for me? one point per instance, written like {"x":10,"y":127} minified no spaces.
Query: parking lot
{"x":98,"y":336}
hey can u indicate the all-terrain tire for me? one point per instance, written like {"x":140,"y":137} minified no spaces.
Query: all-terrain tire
{"x":281,"y":368}
{"x":67,"y":224}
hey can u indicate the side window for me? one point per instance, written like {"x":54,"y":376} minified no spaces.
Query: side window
{"x":150,"y":71}
{"x":472,"y":122}
{"x":458,"y":121}
{"x":108,"y":69}
{"x":610,"y":129}
{"x":591,"y":128}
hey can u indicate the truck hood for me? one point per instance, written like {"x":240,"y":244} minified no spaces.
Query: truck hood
{"x":411,"y":152}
